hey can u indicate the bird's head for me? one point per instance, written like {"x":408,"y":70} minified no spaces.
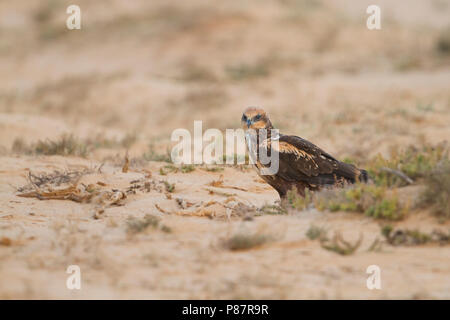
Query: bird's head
{"x":255,"y":118}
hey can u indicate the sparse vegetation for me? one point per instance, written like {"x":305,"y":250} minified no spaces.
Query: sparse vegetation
{"x":374,"y":201}
{"x":339,"y":245}
{"x":213,"y":169}
{"x":184,"y":168}
{"x":148,"y":68}
{"x":136,"y":225}
{"x":314,"y":233}
{"x":413,"y":237}
{"x":414,"y":162}
{"x":272,"y":209}
{"x":69,"y":145}
{"x":236,"y":159}
{"x":170,"y":187}
{"x":66,"y":145}
{"x":300,"y":203}
{"x":245,"y":241}
{"x":437,"y":190}
{"x":426,"y":165}
{"x":152,"y":155}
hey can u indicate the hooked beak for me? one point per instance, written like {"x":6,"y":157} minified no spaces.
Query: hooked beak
{"x":249,"y":122}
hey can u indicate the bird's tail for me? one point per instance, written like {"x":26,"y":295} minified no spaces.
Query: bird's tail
{"x":363,"y":176}
{"x":351,"y":173}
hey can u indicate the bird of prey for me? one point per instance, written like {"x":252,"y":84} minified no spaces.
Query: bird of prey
{"x":302,"y":165}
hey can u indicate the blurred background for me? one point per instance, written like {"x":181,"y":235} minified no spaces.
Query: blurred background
{"x":137,"y":70}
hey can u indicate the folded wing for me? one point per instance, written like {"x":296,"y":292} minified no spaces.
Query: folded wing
{"x":300,"y":160}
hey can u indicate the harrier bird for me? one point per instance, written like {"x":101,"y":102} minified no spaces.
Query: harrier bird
{"x":302,"y":165}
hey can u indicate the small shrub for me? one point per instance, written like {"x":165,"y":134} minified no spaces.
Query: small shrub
{"x":437,"y":191}
{"x":213,"y":169}
{"x":371,"y":200}
{"x":339,"y":245}
{"x":272,"y":209}
{"x":244,"y":241}
{"x":170,"y":187}
{"x":413,"y":237}
{"x":300,"y":203}
{"x":66,"y":145}
{"x":186,"y":168}
{"x":167,"y":168}
{"x":135,"y":225}
{"x":315,"y":233}
{"x":414,"y":162}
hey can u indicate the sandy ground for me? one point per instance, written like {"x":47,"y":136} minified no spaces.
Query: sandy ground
{"x":147,"y":68}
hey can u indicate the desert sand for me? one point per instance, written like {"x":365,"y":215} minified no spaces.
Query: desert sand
{"x":141,"y":69}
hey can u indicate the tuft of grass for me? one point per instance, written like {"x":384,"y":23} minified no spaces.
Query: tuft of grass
{"x":152,"y":155}
{"x":66,"y":145}
{"x":186,"y":168}
{"x":236,"y":159}
{"x":437,"y":191}
{"x":272,"y":209}
{"x":300,"y":203}
{"x":167,"y":169}
{"x":213,"y":169}
{"x":135,"y":225}
{"x":244,"y":241}
{"x":170,"y":187}
{"x":339,"y":245}
{"x":316,"y":233}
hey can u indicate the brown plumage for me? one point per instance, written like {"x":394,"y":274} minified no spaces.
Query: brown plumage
{"x":302,"y":165}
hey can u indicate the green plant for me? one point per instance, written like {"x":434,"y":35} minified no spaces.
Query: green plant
{"x":314,"y":233}
{"x":437,"y":190}
{"x":272,"y":209}
{"x":170,"y":187}
{"x":339,"y":245}
{"x":186,"y":168}
{"x":413,"y":162}
{"x":244,"y":241}
{"x":371,"y":200}
{"x":135,"y":225}
{"x":415,"y":237}
{"x":152,"y":155}
{"x":298,"y":202}
{"x":66,"y":145}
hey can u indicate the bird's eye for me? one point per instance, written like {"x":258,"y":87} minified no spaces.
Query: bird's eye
{"x":258,"y":117}
{"x":244,"y":117}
